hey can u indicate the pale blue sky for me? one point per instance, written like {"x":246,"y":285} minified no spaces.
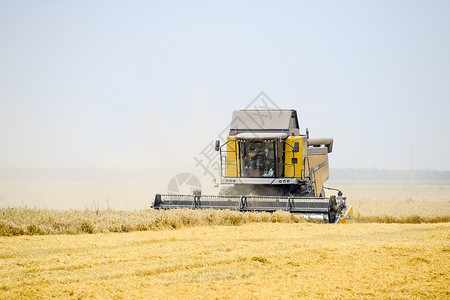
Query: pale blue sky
{"x":126,"y":84}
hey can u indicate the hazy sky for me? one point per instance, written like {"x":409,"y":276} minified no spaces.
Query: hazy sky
{"x":131,"y":84}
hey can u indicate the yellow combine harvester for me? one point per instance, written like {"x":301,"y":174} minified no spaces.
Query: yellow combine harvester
{"x":267,"y":165}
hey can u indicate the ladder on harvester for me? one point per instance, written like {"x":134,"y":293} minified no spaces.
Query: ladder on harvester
{"x":311,"y":175}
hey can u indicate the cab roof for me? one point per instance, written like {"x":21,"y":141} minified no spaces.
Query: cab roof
{"x":280,"y":120}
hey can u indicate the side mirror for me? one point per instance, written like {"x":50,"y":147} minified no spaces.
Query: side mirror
{"x":217,"y":145}
{"x":296,"y":147}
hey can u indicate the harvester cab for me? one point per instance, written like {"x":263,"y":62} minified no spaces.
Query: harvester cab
{"x":267,"y":165}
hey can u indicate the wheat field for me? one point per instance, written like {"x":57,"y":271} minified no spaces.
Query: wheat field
{"x":371,"y":203}
{"x":398,"y":248}
{"x":370,"y":200}
{"x":255,"y":260}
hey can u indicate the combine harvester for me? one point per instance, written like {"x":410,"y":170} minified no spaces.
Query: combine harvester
{"x":267,"y":165}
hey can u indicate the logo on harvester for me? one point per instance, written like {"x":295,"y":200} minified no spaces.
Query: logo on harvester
{"x":184,"y":183}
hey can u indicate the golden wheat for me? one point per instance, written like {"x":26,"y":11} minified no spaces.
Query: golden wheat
{"x":403,"y":220}
{"x":399,"y":200}
{"x":255,"y":260}
{"x":24,"y":221}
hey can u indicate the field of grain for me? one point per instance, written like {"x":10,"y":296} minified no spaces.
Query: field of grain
{"x":256,"y":260}
{"x":95,"y":253}
{"x":371,"y":203}
{"x":398,"y":200}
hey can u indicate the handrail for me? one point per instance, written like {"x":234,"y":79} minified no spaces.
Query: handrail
{"x":306,"y":159}
{"x":311,"y":173}
{"x":315,"y":183}
{"x":224,"y":156}
{"x":285,"y":151}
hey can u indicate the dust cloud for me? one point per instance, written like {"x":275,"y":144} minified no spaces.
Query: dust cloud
{"x":118,"y":189}
{"x":131,"y":189}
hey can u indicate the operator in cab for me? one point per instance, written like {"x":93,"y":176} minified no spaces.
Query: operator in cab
{"x":259,"y":159}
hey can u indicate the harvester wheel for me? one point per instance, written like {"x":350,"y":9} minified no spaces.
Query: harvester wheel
{"x":333,"y":209}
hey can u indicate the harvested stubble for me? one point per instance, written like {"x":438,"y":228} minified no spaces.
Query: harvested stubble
{"x":256,"y":260}
{"x":23,"y":221}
